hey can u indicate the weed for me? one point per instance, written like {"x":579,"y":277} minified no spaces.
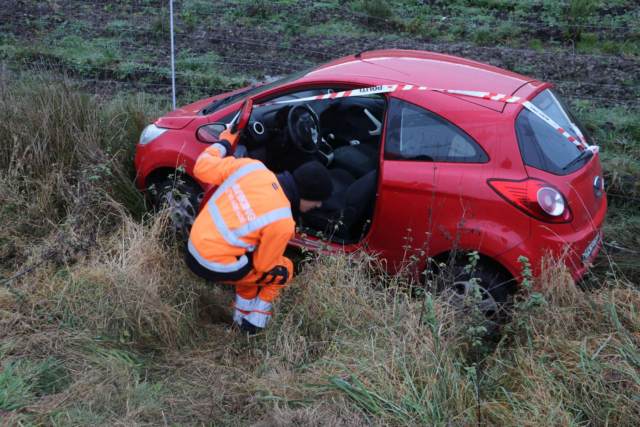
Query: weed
{"x":483,"y":35}
{"x":158,"y":28}
{"x":261,"y":9}
{"x":376,"y":8}
{"x":117,"y":28}
{"x":611,"y":47}
{"x":22,"y":382}
{"x":576,"y":16}
{"x":535,"y":44}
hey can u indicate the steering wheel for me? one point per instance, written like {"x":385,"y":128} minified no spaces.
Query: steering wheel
{"x":304,"y":128}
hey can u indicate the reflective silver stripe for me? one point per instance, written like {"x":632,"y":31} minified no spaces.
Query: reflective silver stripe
{"x":245,"y":304}
{"x":233,"y":236}
{"x":203,"y":156}
{"x":260,"y":314}
{"x":216,"y":266}
{"x":244,"y":170}
{"x":261,"y":221}
{"x":258,"y":319}
{"x":223,"y":150}
{"x":224,"y":230}
{"x":215,"y":212}
{"x":238,"y":316}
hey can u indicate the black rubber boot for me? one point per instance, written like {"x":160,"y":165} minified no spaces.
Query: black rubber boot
{"x":249,"y":327}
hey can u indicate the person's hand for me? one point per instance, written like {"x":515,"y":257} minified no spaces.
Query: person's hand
{"x":224,"y":147}
{"x":231,"y":137}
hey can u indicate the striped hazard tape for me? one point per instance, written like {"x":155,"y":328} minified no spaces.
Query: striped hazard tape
{"x":498,"y":97}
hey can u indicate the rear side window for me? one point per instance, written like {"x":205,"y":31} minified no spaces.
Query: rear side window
{"x":414,"y":133}
{"x":542,"y":146}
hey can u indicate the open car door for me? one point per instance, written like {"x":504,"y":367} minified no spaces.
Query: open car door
{"x":241,"y":120}
{"x":210,"y":132}
{"x":238,"y":124}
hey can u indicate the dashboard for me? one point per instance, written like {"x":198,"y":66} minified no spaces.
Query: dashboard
{"x":343,"y":122}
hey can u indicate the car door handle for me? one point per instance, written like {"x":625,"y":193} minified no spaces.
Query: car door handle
{"x":376,"y":123}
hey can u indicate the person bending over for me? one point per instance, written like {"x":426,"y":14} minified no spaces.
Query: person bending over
{"x":240,"y":235}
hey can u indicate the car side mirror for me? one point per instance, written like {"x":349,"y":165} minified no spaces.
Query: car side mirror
{"x":210,"y":132}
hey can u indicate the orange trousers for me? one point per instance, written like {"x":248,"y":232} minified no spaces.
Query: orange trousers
{"x":247,"y":287}
{"x":253,"y":300}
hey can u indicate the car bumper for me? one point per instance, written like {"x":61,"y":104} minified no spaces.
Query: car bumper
{"x":559,"y":241}
{"x":143,"y":165}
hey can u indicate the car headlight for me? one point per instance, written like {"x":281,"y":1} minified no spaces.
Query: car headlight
{"x":150,"y":133}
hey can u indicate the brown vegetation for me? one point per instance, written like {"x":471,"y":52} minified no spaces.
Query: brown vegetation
{"x":111,"y":329}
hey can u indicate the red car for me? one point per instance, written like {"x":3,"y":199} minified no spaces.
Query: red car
{"x":435,"y":170}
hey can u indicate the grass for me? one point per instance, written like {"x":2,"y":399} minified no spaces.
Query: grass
{"x":129,"y":42}
{"x":111,"y":329}
{"x":114,"y":330}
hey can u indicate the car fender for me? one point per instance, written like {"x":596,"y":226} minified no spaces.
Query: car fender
{"x":166,"y":155}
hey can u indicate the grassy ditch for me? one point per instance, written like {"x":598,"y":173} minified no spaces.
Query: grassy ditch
{"x":110,"y":327}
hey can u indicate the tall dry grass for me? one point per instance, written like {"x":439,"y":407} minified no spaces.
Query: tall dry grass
{"x":54,"y":140}
{"x":113,"y":329}
{"x":57,"y":145}
{"x":345,"y":336}
{"x":48,"y":125}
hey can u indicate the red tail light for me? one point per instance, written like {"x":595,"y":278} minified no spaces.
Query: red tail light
{"x":534,"y":197}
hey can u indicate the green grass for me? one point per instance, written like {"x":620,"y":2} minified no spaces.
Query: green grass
{"x":22,"y":382}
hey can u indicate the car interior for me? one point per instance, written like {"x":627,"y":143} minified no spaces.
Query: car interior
{"x":344,"y":134}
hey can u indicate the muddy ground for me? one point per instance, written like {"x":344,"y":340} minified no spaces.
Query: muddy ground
{"x":253,"y":48}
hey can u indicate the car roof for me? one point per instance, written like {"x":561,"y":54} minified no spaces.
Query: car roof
{"x":429,"y":69}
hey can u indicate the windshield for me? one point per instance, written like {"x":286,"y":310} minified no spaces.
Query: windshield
{"x":257,"y":90}
{"x":542,"y":146}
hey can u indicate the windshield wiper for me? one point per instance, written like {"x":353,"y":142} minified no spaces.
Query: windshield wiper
{"x":211,"y":108}
{"x":583,"y":155}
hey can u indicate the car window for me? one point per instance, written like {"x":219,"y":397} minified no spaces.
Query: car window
{"x":220,"y":104}
{"x":414,"y":133}
{"x":298,"y":95}
{"x":542,"y":146}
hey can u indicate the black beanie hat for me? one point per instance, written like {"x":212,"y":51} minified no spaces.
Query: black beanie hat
{"x":313,"y":181}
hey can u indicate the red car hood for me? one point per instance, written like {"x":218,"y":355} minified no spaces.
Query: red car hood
{"x":181,"y":117}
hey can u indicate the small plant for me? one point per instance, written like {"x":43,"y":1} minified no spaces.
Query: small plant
{"x":484,"y":35}
{"x":588,"y":42}
{"x":376,"y":8}
{"x":535,"y":44}
{"x":576,"y":16}
{"x":158,"y":27}
{"x":261,"y":9}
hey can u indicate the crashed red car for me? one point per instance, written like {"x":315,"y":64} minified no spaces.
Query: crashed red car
{"x":450,"y":172}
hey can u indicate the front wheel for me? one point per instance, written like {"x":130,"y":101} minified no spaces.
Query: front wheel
{"x":181,"y":199}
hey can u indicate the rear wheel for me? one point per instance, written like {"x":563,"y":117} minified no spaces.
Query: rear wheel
{"x":181,"y":198}
{"x":483,"y":293}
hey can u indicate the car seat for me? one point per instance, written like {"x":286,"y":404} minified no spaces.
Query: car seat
{"x":357,"y":160}
{"x":349,"y":205}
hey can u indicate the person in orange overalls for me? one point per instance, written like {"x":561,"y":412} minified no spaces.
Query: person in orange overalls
{"x":240,"y":235}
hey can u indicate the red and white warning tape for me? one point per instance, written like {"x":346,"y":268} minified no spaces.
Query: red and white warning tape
{"x":475,"y":94}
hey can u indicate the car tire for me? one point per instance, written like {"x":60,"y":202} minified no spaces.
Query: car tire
{"x":182,"y":198}
{"x":496,"y":290}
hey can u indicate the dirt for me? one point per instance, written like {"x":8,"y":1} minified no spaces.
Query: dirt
{"x":592,"y":72}
{"x":258,"y":51}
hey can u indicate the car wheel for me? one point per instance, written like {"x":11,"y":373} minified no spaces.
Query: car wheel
{"x":181,"y":199}
{"x":482,"y":292}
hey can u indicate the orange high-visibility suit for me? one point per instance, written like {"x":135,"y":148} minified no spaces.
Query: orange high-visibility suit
{"x":241,"y":234}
